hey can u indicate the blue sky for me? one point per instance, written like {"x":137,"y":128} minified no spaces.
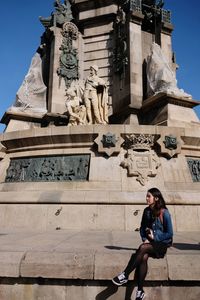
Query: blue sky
{"x":21,"y":31}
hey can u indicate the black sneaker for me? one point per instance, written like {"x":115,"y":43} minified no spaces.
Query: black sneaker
{"x":120,"y":279}
{"x":140,"y":295}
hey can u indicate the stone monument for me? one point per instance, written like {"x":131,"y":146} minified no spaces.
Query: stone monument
{"x":99,"y":119}
{"x":100,"y":116}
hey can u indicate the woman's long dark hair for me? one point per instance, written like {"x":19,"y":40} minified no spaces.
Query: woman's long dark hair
{"x":159,"y":203}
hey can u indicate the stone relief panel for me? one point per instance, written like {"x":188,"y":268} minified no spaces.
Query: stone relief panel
{"x":194,"y":167}
{"x":140,"y":160}
{"x":49,"y":168}
{"x":68,"y":69}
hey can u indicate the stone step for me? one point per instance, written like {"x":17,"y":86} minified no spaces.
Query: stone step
{"x":92,"y":255}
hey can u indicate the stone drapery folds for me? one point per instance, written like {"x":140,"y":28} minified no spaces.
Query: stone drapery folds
{"x":160,"y":76}
{"x":31,"y":96}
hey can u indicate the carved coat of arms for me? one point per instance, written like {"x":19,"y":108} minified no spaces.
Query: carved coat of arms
{"x":141,"y":161}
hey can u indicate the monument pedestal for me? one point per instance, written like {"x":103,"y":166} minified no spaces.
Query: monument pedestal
{"x":18,"y":120}
{"x":169,"y":110}
{"x":97,"y":171}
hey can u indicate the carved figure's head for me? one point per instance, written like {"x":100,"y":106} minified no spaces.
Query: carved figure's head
{"x":70,"y":93}
{"x":94,"y":68}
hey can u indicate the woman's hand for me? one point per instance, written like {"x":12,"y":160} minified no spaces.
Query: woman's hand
{"x":146,"y":242}
{"x":150,"y":235}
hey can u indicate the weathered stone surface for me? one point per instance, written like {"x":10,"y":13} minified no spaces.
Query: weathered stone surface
{"x":88,"y":255}
{"x":43,"y":263}
{"x":62,"y":290}
{"x":107,"y":265}
{"x":189,"y":213}
{"x":184,"y":267}
{"x":58,"y":265}
{"x":94,"y":209}
{"x":10,"y":263}
{"x":98,"y":12}
{"x":158,"y":269}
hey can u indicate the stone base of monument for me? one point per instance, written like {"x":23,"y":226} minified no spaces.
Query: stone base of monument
{"x":169,"y":110}
{"x":19,"y":120}
{"x":63,"y":264}
{"x":76,"y":177}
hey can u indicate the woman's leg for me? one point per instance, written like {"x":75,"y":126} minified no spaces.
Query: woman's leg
{"x":136,"y":259}
{"x":142,"y":272}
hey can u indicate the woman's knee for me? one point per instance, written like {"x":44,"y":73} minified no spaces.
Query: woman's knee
{"x":144,"y":248}
{"x":145,"y":257}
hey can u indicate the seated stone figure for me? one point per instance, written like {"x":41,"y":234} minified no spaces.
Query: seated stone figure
{"x":75,"y":110}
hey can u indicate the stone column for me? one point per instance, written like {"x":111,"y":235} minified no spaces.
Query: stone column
{"x":128,"y":90}
{"x":135,"y":59}
{"x":135,"y":67}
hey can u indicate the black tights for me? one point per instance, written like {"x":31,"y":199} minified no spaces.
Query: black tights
{"x":138,"y":261}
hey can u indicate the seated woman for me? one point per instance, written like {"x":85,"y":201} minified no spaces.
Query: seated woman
{"x":156,"y":232}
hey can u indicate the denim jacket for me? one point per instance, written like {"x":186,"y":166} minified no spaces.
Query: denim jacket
{"x":163,"y":232}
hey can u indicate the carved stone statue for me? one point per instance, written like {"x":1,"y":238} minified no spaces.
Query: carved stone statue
{"x":61,"y":15}
{"x":62,"y":12}
{"x":96,"y":98}
{"x":76,"y":111}
{"x":31,"y":96}
{"x":160,"y":76}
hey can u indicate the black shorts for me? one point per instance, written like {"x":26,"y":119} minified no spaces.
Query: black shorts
{"x":160,"y":249}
